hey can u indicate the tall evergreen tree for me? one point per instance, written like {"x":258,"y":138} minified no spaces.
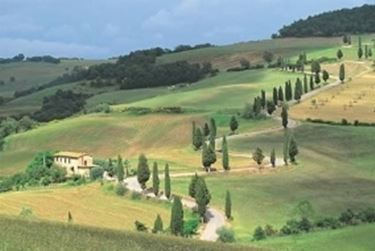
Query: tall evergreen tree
{"x":224,"y":150}
{"x":167,"y":182}
{"x":293,"y":149}
{"x":213,"y":128}
{"x":270,"y":107}
{"x":120,"y":169}
{"x":143,"y":171}
{"x":258,"y":156}
{"x":366,"y":51}
{"x":193,"y":131}
{"x":284,"y":116}
{"x":286,"y":87}
{"x":273,"y":158}
{"x":281,"y":95}
{"x":342,"y":73}
{"x":298,"y":90}
{"x":305,"y":84}
{"x":257,"y":106}
{"x":206,"y":130}
{"x":228,"y":205}
{"x":312,"y":87}
{"x":369,"y":52}
{"x":202,"y":197}
{"x":315,"y":67}
{"x":233,"y":124}
{"x":177,"y":217}
{"x":263,"y":99}
{"x":340,"y":54}
{"x":317,"y":78}
{"x":212,"y":143}
{"x":155,"y":179}
{"x":208,"y":156}
{"x":325,"y":76}
{"x":198,"y":139}
{"x":286,"y":147}
{"x":192,"y":185}
{"x":158,"y":225}
{"x":275,"y":97}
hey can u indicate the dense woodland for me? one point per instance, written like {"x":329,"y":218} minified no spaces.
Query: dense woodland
{"x":335,"y":23}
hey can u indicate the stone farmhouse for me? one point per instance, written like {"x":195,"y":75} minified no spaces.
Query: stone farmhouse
{"x":75,"y":163}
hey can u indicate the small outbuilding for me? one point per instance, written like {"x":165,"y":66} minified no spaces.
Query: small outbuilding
{"x":75,"y":163}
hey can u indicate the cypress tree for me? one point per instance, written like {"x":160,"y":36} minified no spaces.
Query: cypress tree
{"x":158,"y":225}
{"x":273,"y":158}
{"x":258,"y":156}
{"x":281,"y":95}
{"x":228,"y":205}
{"x":233,"y":124}
{"x":325,"y":76}
{"x":293,"y":149}
{"x":70,"y":217}
{"x":263,"y":99}
{"x":342,"y":73}
{"x":192,"y":185}
{"x":212,"y":143}
{"x":213,"y":128}
{"x":198,"y":139}
{"x":275,"y":98}
{"x":360,"y":50}
{"x":366,"y":51}
{"x":224,"y":150}
{"x":143,"y":171}
{"x":120,"y":169}
{"x":193,"y":131}
{"x":206,"y":130}
{"x":298,"y":90}
{"x":270,"y":107}
{"x":202,"y":197}
{"x":305,"y":84}
{"x":167,"y":182}
{"x":339,"y":54}
{"x":317,"y":78}
{"x":286,"y":147}
{"x":311,"y":83}
{"x":286,"y":87}
{"x":284,"y":116}
{"x":177,"y":217}
{"x":155,"y":179}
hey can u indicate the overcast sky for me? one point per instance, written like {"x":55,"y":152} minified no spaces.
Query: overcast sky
{"x":104,"y":28}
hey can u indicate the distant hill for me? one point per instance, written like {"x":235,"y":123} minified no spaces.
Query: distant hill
{"x":334,"y":23}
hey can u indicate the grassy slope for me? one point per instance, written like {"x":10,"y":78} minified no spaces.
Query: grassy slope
{"x":17,"y":235}
{"x":331,"y":175}
{"x":91,"y":205}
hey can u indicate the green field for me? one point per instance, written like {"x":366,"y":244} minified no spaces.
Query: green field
{"x":19,"y":235}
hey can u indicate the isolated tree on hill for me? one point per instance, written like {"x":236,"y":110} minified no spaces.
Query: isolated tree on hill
{"x":284,"y":116}
{"x":312,"y":87}
{"x":342,"y":73}
{"x":263,"y":99}
{"x":155,"y":179}
{"x":143,"y":171}
{"x":305,"y":84}
{"x":233,"y":124}
{"x":120,"y":169}
{"x":225,"y":153}
{"x":281,"y":95}
{"x":317,"y":78}
{"x":177,"y":217}
{"x":228,"y":205}
{"x":360,"y":52}
{"x":325,"y":76}
{"x":167,"y":182}
{"x":202,"y":197}
{"x":340,"y":54}
{"x":198,"y":139}
{"x":270,"y":107}
{"x":273,"y":158}
{"x":70,"y":217}
{"x":268,"y":56}
{"x":258,"y":156}
{"x":192,"y":185}
{"x":158,"y":225}
{"x":293,"y":149}
{"x":286,"y":148}
{"x":275,"y":97}
{"x":206,"y":130}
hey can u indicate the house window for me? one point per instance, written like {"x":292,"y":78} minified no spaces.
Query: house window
{"x":85,"y":163}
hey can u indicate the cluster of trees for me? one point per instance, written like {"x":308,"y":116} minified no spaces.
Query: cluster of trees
{"x":367,"y":52}
{"x":182,"y":47}
{"x":60,"y":105}
{"x":199,"y":191}
{"x":11,"y":125}
{"x":305,"y":225}
{"x":20,"y":57}
{"x":334,"y":23}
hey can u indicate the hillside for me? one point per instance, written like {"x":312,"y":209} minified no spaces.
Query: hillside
{"x":334,"y":23}
{"x":17,"y":235}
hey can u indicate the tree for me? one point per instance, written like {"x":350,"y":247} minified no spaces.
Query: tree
{"x":298,"y":91}
{"x":315,"y":67}
{"x":233,"y":124}
{"x":177,"y":217}
{"x":202,"y":197}
{"x":224,"y":150}
{"x":208,"y":156}
{"x":198,"y":139}
{"x":259,"y":234}
{"x":312,"y":87}
{"x":263,"y":99}
{"x":370,"y":52}
{"x":339,"y":54}
{"x":70,"y":217}
{"x":143,"y":171}
{"x":120,"y":169}
{"x":192,"y":185}
{"x":366,"y":51}
{"x":228,"y":205}
{"x":155,"y":179}
{"x":206,"y":130}
{"x":360,"y":52}
{"x":275,"y":97}
{"x":284,"y":116}
{"x":342,"y":73}
{"x":273,"y":158}
{"x":281,"y":95}
{"x":268,"y":56}
{"x":271,"y":107}
{"x":258,"y":156}
{"x":158,"y":225}
{"x":293,"y":149}
{"x":193,"y":132}
{"x":140,"y":227}
{"x":167,"y":182}
{"x":317,"y":78}
{"x":325,"y":76}
{"x":286,"y":148}
{"x":213,"y":128}
{"x":305,"y":84}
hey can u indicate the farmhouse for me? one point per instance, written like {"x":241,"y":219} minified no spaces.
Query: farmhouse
{"x":74,"y":163}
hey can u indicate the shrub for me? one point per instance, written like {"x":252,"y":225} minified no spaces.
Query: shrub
{"x":191,"y":227}
{"x":259,"y":234}
{"x":367,"y":215}
{"x":226,"y":235}
{"x":347,"y":217}
{"x":96,"y":173}
{"x":305,"y":225}
{"x":344,"y":122}
{"x":291,"y":227}
{"x":328,"y":222}
{"x":139,"y":226}
{"x":120,"y":190}
{"x":269,"y":230}
{"x":135,"y":196}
